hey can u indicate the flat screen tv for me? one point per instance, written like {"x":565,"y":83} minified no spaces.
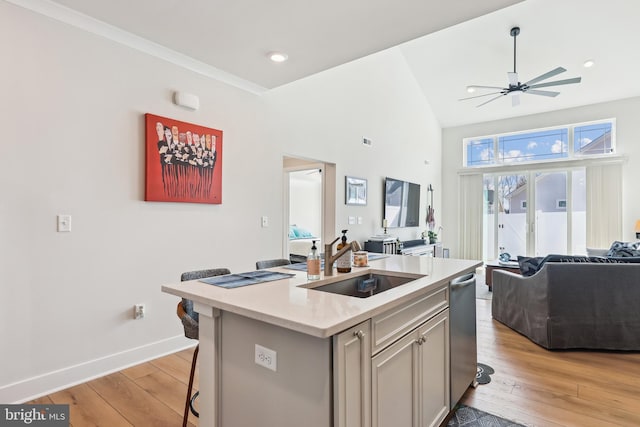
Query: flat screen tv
{"x":401,"y":203}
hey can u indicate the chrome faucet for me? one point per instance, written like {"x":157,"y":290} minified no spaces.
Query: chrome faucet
{"x":329,"y":258}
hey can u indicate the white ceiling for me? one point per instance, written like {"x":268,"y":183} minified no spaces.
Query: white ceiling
{"x":448,"y":46}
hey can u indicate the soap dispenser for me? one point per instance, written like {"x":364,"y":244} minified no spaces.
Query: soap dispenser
{"x":343,"y":263}
{"x":313,"y":263}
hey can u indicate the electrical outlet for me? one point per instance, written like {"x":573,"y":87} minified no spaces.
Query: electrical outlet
{"x":139,"y":310}
{"x":266,"y":358}
{"x":265,"y":221}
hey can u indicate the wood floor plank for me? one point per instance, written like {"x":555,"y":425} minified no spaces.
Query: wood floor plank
{"x":87,"y":408}
{"x":137,"y":406}
{"x":166,"y":389}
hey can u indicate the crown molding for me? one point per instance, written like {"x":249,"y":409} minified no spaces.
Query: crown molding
{"x":84,"y":22}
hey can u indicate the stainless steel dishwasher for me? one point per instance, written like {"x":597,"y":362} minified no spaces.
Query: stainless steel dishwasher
{"x":462,"y":335}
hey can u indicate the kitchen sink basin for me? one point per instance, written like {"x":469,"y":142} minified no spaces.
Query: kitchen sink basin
{"x":366,"y":285}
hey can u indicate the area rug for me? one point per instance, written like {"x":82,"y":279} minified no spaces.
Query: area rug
{"x":466,"y":416}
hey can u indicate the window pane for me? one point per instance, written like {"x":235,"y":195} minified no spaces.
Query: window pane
{"x":480,"y":152}
{"x":534,"y":146}
{"x":592,"y":139}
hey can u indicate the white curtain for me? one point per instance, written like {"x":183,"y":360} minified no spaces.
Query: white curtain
{"x":604,"y":205}
{"x":470,"y":224}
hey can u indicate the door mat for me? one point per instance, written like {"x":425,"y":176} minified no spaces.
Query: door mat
{"x":466,"y":416}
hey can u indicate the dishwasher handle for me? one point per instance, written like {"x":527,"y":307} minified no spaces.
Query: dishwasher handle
{"x":463,"y":281}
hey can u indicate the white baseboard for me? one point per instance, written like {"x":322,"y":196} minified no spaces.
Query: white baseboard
{"x":41,"y":385}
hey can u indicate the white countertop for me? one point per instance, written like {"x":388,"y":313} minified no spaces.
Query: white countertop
{"x":290,"y":303}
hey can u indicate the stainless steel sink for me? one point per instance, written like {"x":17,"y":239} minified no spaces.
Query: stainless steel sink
{"x":366,"y":285}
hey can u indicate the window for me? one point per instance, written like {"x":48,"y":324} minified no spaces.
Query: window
{"x":533,"y":146}
{"x":541,"y":145}
{"x":593,"y":139}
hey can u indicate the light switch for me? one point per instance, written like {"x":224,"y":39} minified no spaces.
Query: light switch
{"x":352,"y":220}
{"x":64,"y":223}
{"x":359,"y":220}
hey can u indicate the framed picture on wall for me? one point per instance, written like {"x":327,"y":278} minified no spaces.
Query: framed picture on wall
{"x":183,"y":162}
{"x":355,"y":192}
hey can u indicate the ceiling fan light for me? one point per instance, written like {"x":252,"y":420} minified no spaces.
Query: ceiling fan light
{"x":589,"y":63}
{"x":471,"y":89}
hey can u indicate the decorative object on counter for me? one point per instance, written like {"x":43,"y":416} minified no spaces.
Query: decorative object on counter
{"x":384,"y":225}
{"x":183,"y":162}
{"x":313,"y":263}
{"x":361,"y":259}
{"x":638,"y":229}
{"x":433,"y":236}
{"x":355,"y":192}
{"x":466,"y":416}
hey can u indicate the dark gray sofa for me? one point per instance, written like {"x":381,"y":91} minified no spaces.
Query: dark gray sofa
{"x":572,"y":305}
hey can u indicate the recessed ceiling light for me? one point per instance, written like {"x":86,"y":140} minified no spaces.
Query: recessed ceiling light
{"x":277,"y":56}
{"x":471,"y":89}
{"x":589,"y":63}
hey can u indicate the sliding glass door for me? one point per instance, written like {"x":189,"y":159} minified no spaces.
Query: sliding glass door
{"x":534,"y":213}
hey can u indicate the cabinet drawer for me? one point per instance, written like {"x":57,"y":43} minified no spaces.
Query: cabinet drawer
{"x":391,"y":325}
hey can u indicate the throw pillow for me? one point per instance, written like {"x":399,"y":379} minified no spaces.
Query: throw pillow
{"x":529,"y":265}
{"x":624,"y":249}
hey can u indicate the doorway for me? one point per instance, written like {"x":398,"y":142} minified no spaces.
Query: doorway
{"x":309,"y":206}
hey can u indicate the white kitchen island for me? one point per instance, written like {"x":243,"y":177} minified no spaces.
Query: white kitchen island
{"x":339,"y":360}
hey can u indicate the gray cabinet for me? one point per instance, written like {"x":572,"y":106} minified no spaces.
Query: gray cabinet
{"x":352,"y":376}
{"x":410,"y":378}
{"x":393,"y":369}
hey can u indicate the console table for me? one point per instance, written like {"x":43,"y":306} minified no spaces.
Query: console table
{"x":495,"y":265}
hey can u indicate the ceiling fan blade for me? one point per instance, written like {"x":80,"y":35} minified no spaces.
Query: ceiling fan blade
{"x":485,"y":87}
{"x":478,"y":96}
{"x":513,"y":79}
{"x":515,"y":100}
{"x":492,"y":99}
{"x":557,"y":82}
{"x":543,"y":92}
{"x":546,"y":76}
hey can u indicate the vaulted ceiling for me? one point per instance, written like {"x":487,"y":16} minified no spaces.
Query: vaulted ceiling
{"x":448,"y":45}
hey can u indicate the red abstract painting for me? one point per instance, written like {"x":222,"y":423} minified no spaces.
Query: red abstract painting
{"x":183,"y":161}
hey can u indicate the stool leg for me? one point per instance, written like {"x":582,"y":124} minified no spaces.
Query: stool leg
{"x":190,"y":387}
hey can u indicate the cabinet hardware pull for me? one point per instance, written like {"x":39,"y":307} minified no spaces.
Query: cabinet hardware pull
{"x":419,"y":341}
{"x":359,"y":334}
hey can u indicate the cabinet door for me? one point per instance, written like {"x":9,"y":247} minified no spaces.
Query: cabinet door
{"x":352,"y":376}
{"x":433,"y":370}
{"x":394,"y":384}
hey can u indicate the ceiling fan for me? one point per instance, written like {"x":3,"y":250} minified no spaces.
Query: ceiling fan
{"x":515,"y":87}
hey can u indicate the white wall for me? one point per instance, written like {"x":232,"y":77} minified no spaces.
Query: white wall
{"x":625,"y":112}
{"x":324,"y":117}
{"x":73,"y":142}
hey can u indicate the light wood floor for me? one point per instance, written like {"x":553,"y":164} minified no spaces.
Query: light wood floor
{"x":531,"y":385}
{"x":537,"y":387}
